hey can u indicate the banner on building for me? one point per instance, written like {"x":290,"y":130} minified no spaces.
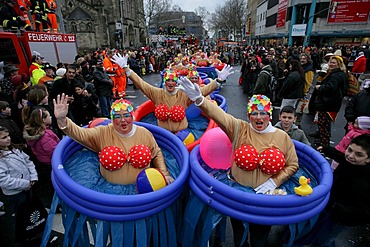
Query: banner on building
{"x":248,"y":31}
{"x":342,"y":11}
{"x":299,"y":30}
{"x":281,"y":15}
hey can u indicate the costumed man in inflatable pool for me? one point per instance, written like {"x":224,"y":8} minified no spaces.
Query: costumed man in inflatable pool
{"x":251,"y":141}
{"x":122,"y":136}
{"x":170,"y":102}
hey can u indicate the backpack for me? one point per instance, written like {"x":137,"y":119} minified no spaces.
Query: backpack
{"x":272,"y":86}
{"x":353,"y":85}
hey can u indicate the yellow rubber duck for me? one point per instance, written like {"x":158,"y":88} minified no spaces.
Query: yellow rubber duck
{"x":304,"y":189}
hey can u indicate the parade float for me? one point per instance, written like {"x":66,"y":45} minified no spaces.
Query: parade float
{"x":114,"y":213}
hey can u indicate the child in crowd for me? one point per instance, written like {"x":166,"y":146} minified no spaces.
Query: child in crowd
{"x":349,"y":196}
{"x":86,"y":105}
{"x":39,"y":137}
{"x":7,"y":122}
{"x":287,"y":117}
{"x":17,"y":172}
{"x":360,"y":127}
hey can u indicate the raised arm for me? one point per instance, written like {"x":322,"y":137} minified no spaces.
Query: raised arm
{"x":61,"y":110}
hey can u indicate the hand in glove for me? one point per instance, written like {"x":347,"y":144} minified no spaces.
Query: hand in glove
{"x":121,"y":61}
{"x":191,"y":89}
{"x":224,"y":73}
{"x":267,"y":187}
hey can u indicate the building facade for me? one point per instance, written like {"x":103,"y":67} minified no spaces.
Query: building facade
{"x":108,"y":23}
{"x":187,"y":22}
{"x":308,"y":22}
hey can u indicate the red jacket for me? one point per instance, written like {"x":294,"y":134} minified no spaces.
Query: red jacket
{"x":359,"y":66}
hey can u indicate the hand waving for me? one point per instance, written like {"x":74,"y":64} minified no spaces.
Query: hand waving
{"x":61,"y":106}
{"x":120,"y":60}
{"x":191,"y":89}
{"x":224,"y":73}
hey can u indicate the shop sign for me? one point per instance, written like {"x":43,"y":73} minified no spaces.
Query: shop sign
{"x":299,"y":30}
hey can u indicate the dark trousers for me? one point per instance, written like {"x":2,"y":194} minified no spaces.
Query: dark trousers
{"x":105,"y":102}
{"x":324,"y":124}
{"x":258,"y":234}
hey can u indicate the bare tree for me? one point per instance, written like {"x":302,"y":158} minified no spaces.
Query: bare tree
{"x":153,"y":7}
{"x":204,"y":14}
{"x":176,"y":8}
{"x":229,"y":18}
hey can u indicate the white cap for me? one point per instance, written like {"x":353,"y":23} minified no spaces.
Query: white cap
{"x":366,"y":83}
{"x":60,"y":72}
{"x":363,"y":122}
{"x":324,"y":68}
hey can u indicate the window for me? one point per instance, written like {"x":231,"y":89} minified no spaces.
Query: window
{"x":8,"y":52}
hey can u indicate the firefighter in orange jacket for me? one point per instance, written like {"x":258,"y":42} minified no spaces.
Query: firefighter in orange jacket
{"x":110,"y":68}
{"x":52,"y":17}
{"x":23,"y":11}
{"x":116,"y":74}
{"x":119,"y":88}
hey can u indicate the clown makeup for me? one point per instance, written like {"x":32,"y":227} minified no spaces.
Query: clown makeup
{"x":194,"y":79}
{"x":119,"y":116}
{"x":259,"y":120}
{"x":122,"y":122}
{"x":170,"y":85}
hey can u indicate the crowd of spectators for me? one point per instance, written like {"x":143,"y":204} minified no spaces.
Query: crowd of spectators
{"x":91,"y":89}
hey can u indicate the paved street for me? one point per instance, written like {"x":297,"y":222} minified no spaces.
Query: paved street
{"x":236,"y":106}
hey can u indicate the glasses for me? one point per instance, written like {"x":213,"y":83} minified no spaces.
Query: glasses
{"x":119,"y":116}
{"x":262,"y":113}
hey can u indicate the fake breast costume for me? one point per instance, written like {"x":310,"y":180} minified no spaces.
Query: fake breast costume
{"x":240,"y":132}
{"x":178,"y":98}
{"x":100,"y":137}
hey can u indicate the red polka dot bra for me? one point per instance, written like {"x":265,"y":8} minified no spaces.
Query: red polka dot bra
{"x":271,"y":161}
{"x":113,"y":158}
{"x":176,"y":113}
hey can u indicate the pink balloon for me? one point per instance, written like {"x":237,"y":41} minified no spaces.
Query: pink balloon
{"x":216,"y":149}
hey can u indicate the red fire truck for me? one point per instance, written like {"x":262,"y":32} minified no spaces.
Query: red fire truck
{"x":54,"y":47}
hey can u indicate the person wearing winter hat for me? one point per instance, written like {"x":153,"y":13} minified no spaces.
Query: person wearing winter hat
{"x":36,"y":69}
{"x":361,"y":126}
{"x":48,"y":78}
{"x":122,"y":134}
{"x":60,"y":73}
{"x":359,"y":65}
{"x":257,"y":135}
{"x":7,"y":86}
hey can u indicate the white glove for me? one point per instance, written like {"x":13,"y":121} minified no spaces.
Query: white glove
{"x":191,"y":89}
{"x":267,"y":187}
{"x":224,"y":73}
{"x":121,"y":61}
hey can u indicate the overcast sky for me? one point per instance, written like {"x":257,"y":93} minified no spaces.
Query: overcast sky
{"x":191,"y":5}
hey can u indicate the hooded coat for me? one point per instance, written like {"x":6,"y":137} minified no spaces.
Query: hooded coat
{"x":42,"y":144}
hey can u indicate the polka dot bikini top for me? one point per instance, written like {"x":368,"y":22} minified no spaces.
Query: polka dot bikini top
{"x":176,"y":114}
{"x":271,"y":161}
{"x":113,"y":158}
